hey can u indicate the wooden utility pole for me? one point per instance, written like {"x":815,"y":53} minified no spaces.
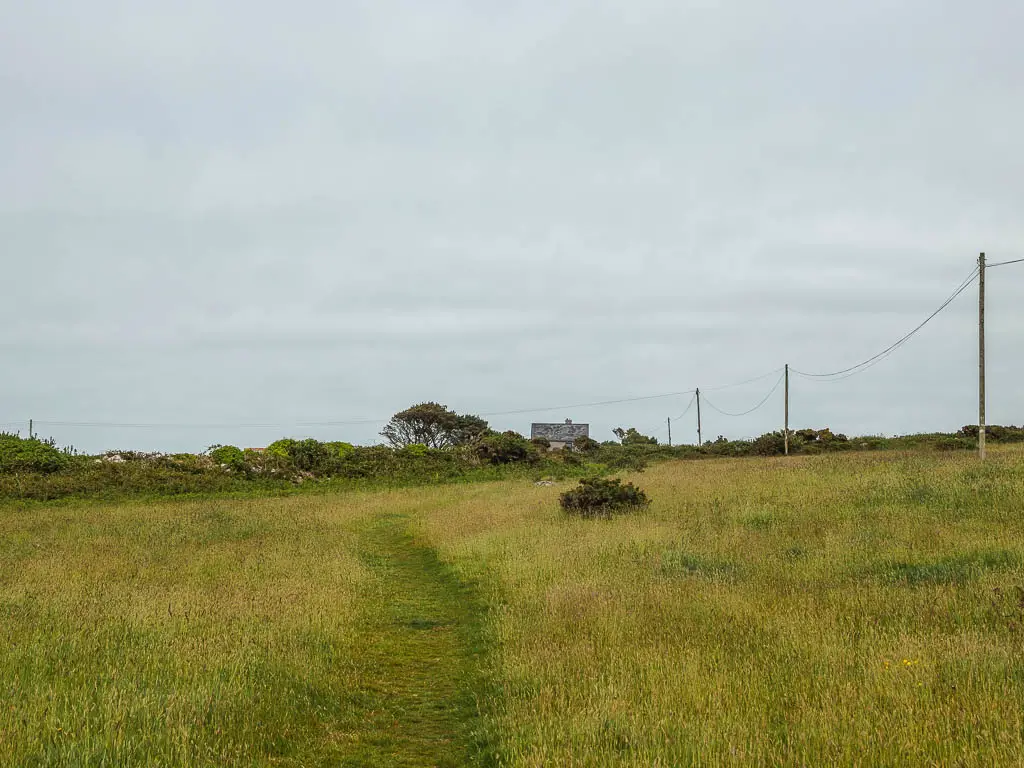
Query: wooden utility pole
{"x":786,"y":428}
{"x":981,"y":357}
{"x":700,"y":441}
{"x":669,"y":420}
{"x":30,"y":435}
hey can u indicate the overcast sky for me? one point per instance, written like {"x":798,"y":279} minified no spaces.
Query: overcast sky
{"x":279,"y":213}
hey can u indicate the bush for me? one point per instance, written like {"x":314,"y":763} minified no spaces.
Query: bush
{"x":632,"y":437}
{"x":770,"y":444}
{"x":569,"y":458}
{"x":19,"y":454}
{"x":413,"y":450}
{"x":506,"y":448}
{"x":624,"y":457}
{"x":723,"y":447}
{"x":585,"y":445}
{"x":282,"y":448}
{"x":228,"y":456}
{"x":340,"y":449}
{"x":312,"y":456}
{"x":309,"y":455}
{"x":600,"y":497}
{"x":995,"y":432}
{"x":955,"y":444}
{"x":265,"y":464}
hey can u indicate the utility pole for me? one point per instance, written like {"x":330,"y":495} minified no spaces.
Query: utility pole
{"x":669,"y":420}
{"x":786,"y":428}
{"x":700,"y":441}
{"x":981,"y":357}
{"x":30,"y":429}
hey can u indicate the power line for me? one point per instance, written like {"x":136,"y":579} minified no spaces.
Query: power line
{"x":832,"y":376}
{"x":587,"y":405}
{"x":348,"y":422}
{"x":745,"y":413}
{"x":745,"y":381}
{"x":874,"y":359}
{"x":664,"y":427}
{"x":176,"y":425}
{"x":688,"y":407}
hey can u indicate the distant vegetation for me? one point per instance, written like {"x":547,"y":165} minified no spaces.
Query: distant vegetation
{"x":427,"y":443}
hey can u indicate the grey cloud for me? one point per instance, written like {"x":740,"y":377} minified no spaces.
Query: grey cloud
{"x":247,"y":213}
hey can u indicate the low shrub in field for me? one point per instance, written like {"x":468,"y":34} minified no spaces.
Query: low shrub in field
{"x":602,"y":497}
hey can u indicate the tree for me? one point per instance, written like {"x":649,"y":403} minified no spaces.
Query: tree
{"x":632,"y":437}
{"x":433,"y":425}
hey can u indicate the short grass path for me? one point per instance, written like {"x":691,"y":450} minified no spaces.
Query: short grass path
{"x":419,"y":649}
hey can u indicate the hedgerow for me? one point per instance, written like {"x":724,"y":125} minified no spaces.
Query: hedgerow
{"x":37,"y":469}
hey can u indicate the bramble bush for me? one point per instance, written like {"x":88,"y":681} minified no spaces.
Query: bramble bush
{"x":603,"y":497}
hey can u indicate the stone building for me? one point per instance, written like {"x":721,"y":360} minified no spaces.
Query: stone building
{"x":560,"y":435}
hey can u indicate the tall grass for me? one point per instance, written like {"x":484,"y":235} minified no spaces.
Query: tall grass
{"x":834,"y":610}
{"x":216,"y":633}
{"x":852,"y":609}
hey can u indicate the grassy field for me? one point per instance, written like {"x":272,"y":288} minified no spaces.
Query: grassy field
{"x":298,"y":631}
{"x":852,"y":609}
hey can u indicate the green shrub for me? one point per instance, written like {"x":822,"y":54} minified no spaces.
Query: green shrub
{"x":568,"y":458}
{"x":313,"y":456}
{"x":585,"y":445}
{"x":769,"y":444}
{"x":340,"y":449}
{"x":625,"y":457}
{"x":282,"y":447}
{"x":413,"y":450}
{"x":18,"y":454}
{"x":601,"y":497}
{"x":507,"y":448}
{"x":995,"y":432}
{"x":955,"y":444}
{"x":723,"y":447}
{"x":633,"y":437}
{"x":228,"y":456}
{"x":188,"y":462}
{"x":266,"y":464}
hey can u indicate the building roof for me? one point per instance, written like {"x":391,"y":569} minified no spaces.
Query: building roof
{"x":560,"y":433}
